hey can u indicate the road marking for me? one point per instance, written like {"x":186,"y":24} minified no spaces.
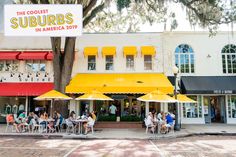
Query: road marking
{"x":162,"y":153}
{"x":73,"y":149}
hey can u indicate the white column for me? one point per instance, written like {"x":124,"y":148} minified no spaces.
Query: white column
{"x":226,"y":101}
{"x":90,"y":105}
{"x":162,"y":106}
{"x":26,"y":105}
{"x":78,"y":106}
{"x":146,"y":108}
{"x":72,"y":105}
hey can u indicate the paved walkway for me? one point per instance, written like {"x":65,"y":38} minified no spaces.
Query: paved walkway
{"x":187,"y":130}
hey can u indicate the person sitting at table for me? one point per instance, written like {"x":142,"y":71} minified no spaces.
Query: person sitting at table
{"x":169,"y":121}
{"x":11,"y":121}
{"x":149,"y":121}
{"x":163,"y":123}
{"x":60,"y":118}
{"x":93,"y":115}
{"x":88,"y":124}
{"x":72,"y":118}
{"x":42,"y":120}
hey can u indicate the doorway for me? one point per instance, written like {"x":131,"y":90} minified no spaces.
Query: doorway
{"x":214,"y":109}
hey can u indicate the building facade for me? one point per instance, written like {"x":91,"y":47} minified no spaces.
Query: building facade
{"x":207,"y":71}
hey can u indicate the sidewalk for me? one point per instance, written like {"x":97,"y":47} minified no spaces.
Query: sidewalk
{"x":187,"y":130}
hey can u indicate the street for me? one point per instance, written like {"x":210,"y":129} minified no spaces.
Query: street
{"x":197,"y":146}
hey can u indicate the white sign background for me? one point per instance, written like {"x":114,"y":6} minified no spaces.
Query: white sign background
{"x":22,"y":11}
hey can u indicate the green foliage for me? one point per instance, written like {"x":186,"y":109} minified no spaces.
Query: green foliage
{"x":130,"y":118}
{"x":106,"y":118}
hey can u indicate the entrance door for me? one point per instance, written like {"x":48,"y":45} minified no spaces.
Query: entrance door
{"x":214,"y":109}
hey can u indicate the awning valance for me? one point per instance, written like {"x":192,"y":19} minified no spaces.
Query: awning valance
{"x":130,"y":50}
{"x":49,"y":56}
{"x":139,"y":83}
{"x":108,"y":51}
{"x":24,"y":89}
{"x":148,"y":50}
{"x":90,"y":51}
{"x":8,"y":55}
{"x":33,"y":55}
{"x":208,"y":84}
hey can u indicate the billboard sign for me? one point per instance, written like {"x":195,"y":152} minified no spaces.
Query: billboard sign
{"x":43,"y":20}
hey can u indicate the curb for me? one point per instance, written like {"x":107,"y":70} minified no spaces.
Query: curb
{"x":88,"y":137}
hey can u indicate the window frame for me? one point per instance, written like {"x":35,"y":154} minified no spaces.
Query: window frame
{"x":35,"y":63}
{"x":91,"y":64}
{"x":148,"y":62}
{"x":11,"y":63}
{"x":110,"y":63}
{"x":185,"y":59}
{"x":130,"y":65}
{"x":228,"y":62}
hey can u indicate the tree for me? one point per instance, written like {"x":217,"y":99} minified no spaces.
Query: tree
{"x":127,"y":16}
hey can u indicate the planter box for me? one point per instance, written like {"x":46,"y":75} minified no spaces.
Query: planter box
{"x":121,"y":125}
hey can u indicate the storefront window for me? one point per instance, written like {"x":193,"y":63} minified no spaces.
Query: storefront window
{"x":91,"y":62}
{"x":9,"y":65}
{"x":147,"y":62}
{"x":35,"y":66}
{"x":232,"y":107}
{"x":109,"y":62}
{"x":130,"y":62}
{"x":11,"y":105}
{"x":190,"y":110}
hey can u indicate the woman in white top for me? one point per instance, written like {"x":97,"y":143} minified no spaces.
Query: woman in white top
{"x":89,"y":123}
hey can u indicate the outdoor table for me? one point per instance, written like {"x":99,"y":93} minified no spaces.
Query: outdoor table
{"x":79,"y":123}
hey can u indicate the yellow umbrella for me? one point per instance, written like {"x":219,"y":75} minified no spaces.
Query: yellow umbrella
{"x":53,"y":95}
{"x":157,"y":96}
{"x":94,"y":95}
{"x":184,"y":99}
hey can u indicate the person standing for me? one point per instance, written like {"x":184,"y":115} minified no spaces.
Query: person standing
{"x":112,"y":109}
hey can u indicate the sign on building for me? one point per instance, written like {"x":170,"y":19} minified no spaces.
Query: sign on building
{"x":43,"y":20}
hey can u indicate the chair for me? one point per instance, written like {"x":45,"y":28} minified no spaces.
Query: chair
{"x":58,"y":126}
{"x":36,"y":126}
{"x":10,"y":126}
{"x":69,"y":126}
{"x":91,"y":126}
{"x":147,"y":125}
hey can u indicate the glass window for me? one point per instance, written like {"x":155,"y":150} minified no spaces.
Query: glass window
{"x":232,"y":107}
{"x":1,"y":65}
{"x":184,"y":58}
{"x":130,"y":62}
{"x":147,"y":62}
{"x":9,"y":65}
{"x":109,"y":62}
{"x":91,"y":62}
{"x":229,"y":59}
{"x":35,"y":66}
{"x":192,"y":110}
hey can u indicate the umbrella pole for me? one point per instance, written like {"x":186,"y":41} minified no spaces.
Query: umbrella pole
{"x":51,"y":108}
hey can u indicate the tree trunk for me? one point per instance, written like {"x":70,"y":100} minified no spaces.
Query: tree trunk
{"x":62,"y":65}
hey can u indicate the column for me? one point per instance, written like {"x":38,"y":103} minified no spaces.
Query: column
{"x":146,"y":108}
{"x":90,"y":105}
{"x":26,"y":105}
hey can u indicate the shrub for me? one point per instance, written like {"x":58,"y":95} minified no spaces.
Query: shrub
{"x":107,"y":118}
{"x":130,"y":118}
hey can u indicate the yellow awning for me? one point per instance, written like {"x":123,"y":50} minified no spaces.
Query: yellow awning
{"x":53,"y":95}
{"x":141,"y":83}
{"x":90,"y":51}
{"x":156,"y":96}
{"x":148,"y":50}
{"x":130,"y":50}
{"x":184,"y":99}
{"x":94,"y":95}
{"x":108,"y":51}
